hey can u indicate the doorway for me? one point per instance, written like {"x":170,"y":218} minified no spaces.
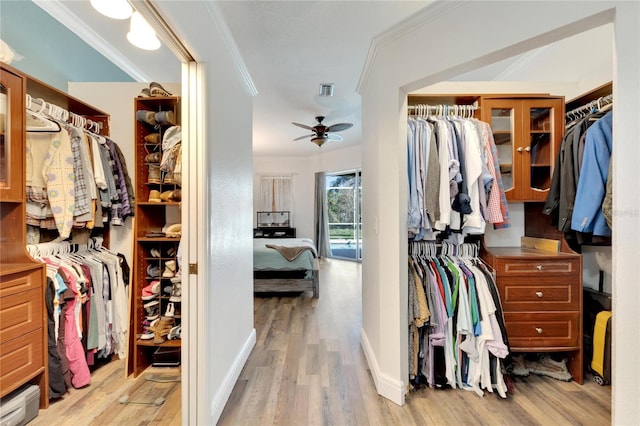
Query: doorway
{"x":344,"y":194}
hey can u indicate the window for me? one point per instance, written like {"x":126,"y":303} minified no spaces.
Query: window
{"x":344,"y":191}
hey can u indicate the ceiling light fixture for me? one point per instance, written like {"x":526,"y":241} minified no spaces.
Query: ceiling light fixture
{"x":326,"y":89}
{"x":115,"y":9}
{"x":141,"y":34}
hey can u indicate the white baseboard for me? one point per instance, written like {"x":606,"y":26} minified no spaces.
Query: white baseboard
{"x":224,"y":392}
{"x":386,"y":386}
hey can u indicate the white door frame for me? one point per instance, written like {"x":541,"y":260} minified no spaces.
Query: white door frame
{"x":194,"y":409}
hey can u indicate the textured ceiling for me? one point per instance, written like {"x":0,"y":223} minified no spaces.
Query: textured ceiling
{"x":289,"y":48}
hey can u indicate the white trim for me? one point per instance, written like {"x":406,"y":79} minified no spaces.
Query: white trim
{"x":66,"y":17}
{"x":427,"y":14}
{"x":224,"y":392}
{"x":216,"y":15}
{"x":386,"y":386}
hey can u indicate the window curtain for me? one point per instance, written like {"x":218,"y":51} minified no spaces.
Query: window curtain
{"x":321,"y":217}
{"x":275,"y":193}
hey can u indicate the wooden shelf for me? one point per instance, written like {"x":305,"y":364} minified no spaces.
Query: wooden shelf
{"x":166,"y":344}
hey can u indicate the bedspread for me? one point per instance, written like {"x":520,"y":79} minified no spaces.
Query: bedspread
{"x":268,"y":259}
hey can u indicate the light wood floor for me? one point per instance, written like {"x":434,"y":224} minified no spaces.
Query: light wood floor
{"x":308,"y":368}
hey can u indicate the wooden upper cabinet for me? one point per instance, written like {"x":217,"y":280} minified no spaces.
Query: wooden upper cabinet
{"x":12,"y":104}
{"x":527,"y":133}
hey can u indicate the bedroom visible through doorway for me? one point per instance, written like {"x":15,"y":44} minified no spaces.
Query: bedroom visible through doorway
{"x":344,"y":192}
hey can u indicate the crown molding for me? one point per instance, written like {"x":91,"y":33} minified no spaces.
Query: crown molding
{"x":66,"y":17}
{"x":230,"y":43}
{"x":420,"y":18}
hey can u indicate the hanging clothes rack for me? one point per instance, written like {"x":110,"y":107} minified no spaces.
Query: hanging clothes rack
{"x":596,"y":105}
{"x":422,"y":110}
{"x":39,"y":105}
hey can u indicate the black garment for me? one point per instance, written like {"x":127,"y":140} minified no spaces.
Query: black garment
{"x":57,"y":387}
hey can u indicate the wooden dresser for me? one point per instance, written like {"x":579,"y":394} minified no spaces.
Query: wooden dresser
{"x":541,"y":294}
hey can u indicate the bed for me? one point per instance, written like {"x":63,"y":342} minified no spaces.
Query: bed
{"x":272,"y":272}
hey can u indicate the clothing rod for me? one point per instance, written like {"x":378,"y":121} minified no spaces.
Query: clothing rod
{"x":597,"y":103}
{"x":474,"y":106}
{"x":39,"y":105}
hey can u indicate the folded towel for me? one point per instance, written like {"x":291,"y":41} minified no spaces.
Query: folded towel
{"x":290,"y":253}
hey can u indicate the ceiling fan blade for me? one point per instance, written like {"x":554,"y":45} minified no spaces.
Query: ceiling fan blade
{"x":303,"y":137}
{"x":333,"y":137}
{"x":304,"y":126}
{"x":338,"y":127}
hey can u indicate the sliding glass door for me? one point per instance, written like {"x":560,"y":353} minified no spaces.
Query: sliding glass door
{"x":344,"y":191}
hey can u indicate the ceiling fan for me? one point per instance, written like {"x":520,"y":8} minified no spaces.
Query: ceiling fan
{"x":322,"y":133}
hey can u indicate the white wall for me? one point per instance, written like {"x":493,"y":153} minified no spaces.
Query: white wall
{"x":117,"y":100}
{"x":509,"y":28}
{"x":303,"y":171}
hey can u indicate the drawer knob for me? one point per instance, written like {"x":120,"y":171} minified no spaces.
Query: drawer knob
{"x":539,"y":267}
{"x":539,"y":330}
{"x":539,"y":294}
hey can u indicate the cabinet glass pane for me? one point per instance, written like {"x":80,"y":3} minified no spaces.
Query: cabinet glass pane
{"x":540,"y":148}
{"x":4,"y":137}
{"x":502,"y":126}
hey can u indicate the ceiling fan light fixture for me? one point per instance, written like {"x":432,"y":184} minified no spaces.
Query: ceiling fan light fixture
{"x":319,"y":140}
{"x":114,"y":9}
{"x":326,"y":89}
{"x":141,"y":34}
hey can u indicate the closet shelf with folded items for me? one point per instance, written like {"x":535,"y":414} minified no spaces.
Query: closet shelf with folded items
{"x":155,"y":319}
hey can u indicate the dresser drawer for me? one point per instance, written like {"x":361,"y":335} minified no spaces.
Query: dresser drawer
{"x":542,"y":330}
{"x":20,"y":282}
{"x":506,"y":266}
{"x":20,"y":313}
{"x":21,"y":359}
{"x":546,"y":293}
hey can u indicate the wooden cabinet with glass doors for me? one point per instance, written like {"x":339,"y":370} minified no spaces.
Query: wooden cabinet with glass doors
{"x":527,"y":133}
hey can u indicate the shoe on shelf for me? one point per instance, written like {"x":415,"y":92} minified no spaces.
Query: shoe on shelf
{"x":165,"y":118}
{"x":153,"y":138}
{"x":173,"y":230}
{"x":167,"y":196}
{"x":154,"y":252}
{"x":146,"y":117}
{"x":144,"y":93}
{"x":176,"y":294}
{"x":175,"y":333}
{"x":162,"y":329}
{"x":153,"y":309}
{"x":154,"y":157}
{"x":147,"y":333}
{"x":151,"y":291}
{"x":153,"y":271}
{"x":171,"y":251}
{"x":169,"y":178}
{"x":168,"y":289}
{"x":171,"y":310}
{"x":154,"y":174}
{"x":155,"y":196}
{"x":156,"y":89}
{"x":170,"y":269}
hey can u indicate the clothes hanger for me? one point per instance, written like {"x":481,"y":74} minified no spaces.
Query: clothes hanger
{"x":36,"y":121}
